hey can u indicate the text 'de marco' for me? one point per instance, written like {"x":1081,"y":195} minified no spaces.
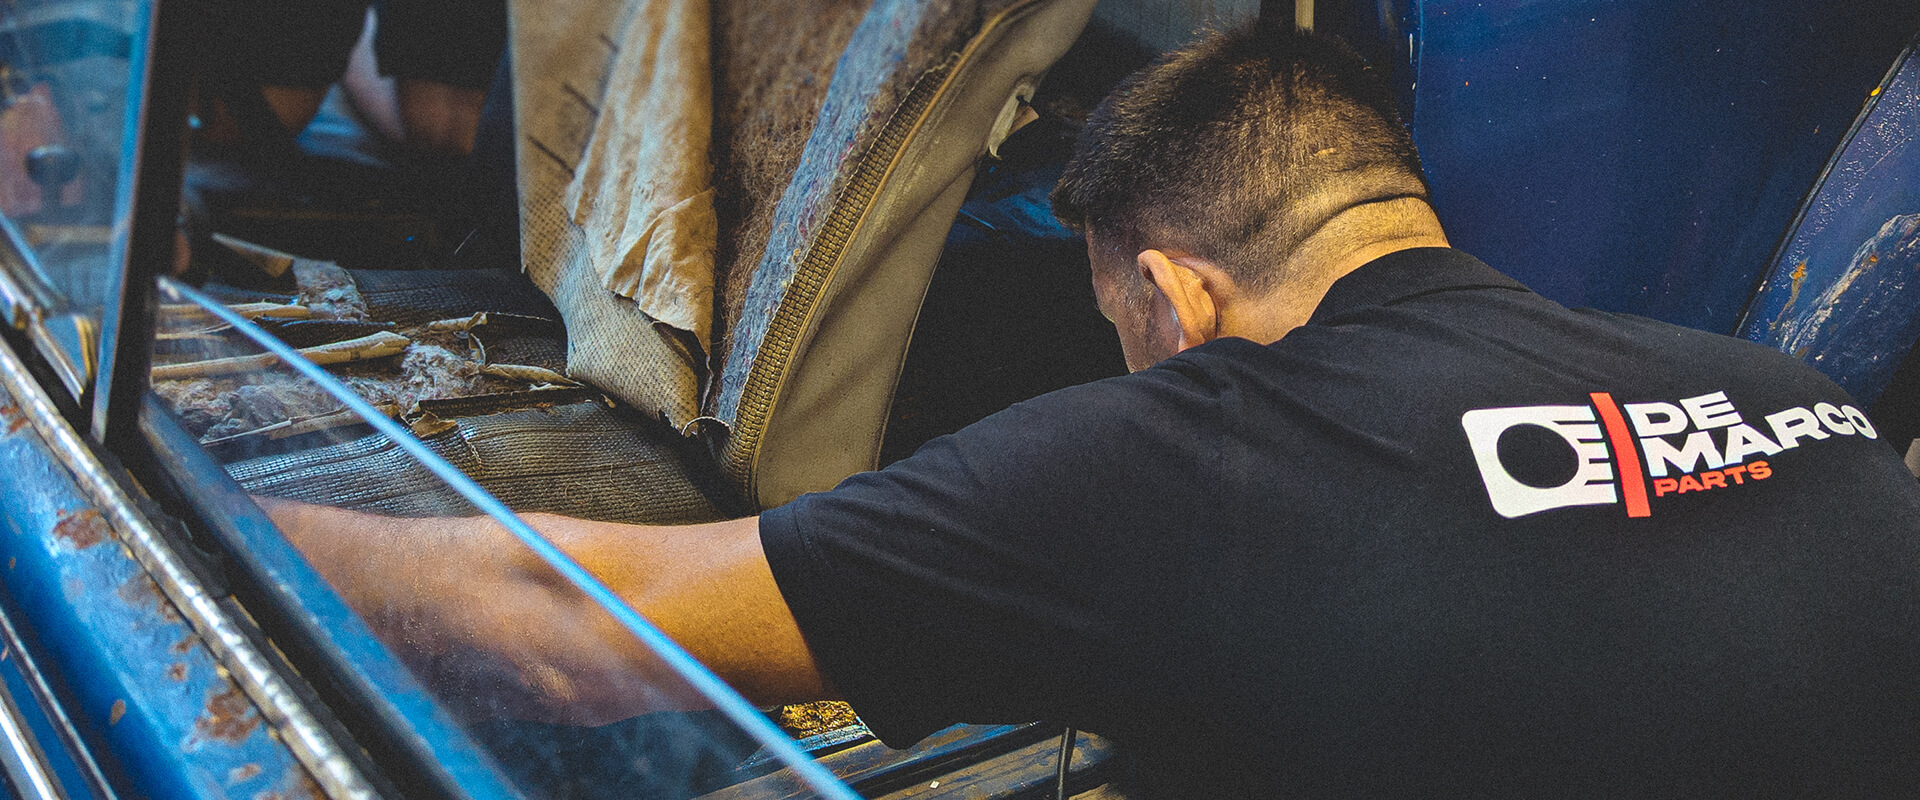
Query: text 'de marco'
{"x":1627,"y":453}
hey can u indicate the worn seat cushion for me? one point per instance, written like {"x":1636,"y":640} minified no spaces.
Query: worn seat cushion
{"x":581,"y":459}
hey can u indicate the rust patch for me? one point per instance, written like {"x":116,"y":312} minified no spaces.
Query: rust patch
{"x":118,"y":710}
{"x":141,"y":592}
{"x":15,"y":424}
{"x":84,"y":528}
{"x":807,"y":719}
{"x":229,"y":717}
{"x":1799,"y":276}
{"x":11,"y":562}
{"x":177,"y":672}
{"x":185,"y":645}
{"x":243,"y":773}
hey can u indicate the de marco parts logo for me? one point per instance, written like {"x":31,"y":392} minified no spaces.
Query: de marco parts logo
{"x":1621,"y":453}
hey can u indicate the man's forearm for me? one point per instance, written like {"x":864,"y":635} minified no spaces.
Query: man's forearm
{"x":709,"y":588}
{"x":479,"y":613}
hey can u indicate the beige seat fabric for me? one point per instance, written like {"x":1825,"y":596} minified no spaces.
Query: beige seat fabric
{"x":641,"y":194}
{"x":563,"y":54}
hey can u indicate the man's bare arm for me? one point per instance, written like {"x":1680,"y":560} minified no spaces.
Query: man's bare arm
{"x":469,"y":605}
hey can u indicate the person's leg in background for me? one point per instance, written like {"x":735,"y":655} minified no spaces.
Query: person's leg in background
{"x":269,"y":66}
{"x":442,"y":54}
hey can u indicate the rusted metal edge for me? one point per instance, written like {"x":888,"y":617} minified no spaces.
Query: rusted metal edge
{"x":306,"y":739}
{"x":150,"y":702}
{"x":399,"y":718}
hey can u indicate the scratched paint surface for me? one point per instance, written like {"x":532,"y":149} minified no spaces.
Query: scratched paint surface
{"x":140,"y":685}
{"x":1842,"y":293}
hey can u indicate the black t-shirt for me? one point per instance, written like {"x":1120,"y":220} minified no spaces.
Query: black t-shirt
{"x":1449,"y":538}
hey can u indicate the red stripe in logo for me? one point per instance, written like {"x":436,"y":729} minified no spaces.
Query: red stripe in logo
{"x":1626,"y":458}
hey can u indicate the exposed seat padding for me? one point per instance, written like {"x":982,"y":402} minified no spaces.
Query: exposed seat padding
{"x":803,"y":395}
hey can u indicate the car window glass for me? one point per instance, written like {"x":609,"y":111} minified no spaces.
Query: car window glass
{"x":505,"y":717}
{"x":67,"y":84}
{"x":64,"y":80}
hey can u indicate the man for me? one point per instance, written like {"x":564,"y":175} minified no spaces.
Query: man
{"x":1368,"y":519}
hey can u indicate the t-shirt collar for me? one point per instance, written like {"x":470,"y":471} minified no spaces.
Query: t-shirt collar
{"x":1408,"y":273}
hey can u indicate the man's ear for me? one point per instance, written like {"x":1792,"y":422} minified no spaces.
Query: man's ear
{"x":1186,"y":290}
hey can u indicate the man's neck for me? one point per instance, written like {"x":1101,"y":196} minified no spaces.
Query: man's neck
{"x":1348,"y":242}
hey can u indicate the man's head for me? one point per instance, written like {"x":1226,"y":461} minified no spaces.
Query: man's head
{"x":1250,"y":163}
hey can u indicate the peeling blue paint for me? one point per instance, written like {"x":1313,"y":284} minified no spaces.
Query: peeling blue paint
{"x":1841,"y":293}
{"x":1859,"y":329}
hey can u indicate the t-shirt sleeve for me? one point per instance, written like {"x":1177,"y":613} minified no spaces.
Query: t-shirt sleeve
{"x":980,"y":579}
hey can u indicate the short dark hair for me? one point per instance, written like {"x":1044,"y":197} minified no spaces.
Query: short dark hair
{"x":1238,"y":147}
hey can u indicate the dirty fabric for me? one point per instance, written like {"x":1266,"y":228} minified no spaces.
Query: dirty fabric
{"x":216,"y":407}
{"x":641,"y":192}
{"x":413,"y":297}
{"x":328,"y":291}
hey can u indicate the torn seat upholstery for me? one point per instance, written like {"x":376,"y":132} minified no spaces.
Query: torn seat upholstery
{"x":838,"y":171}
{"x":844,"y":136}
